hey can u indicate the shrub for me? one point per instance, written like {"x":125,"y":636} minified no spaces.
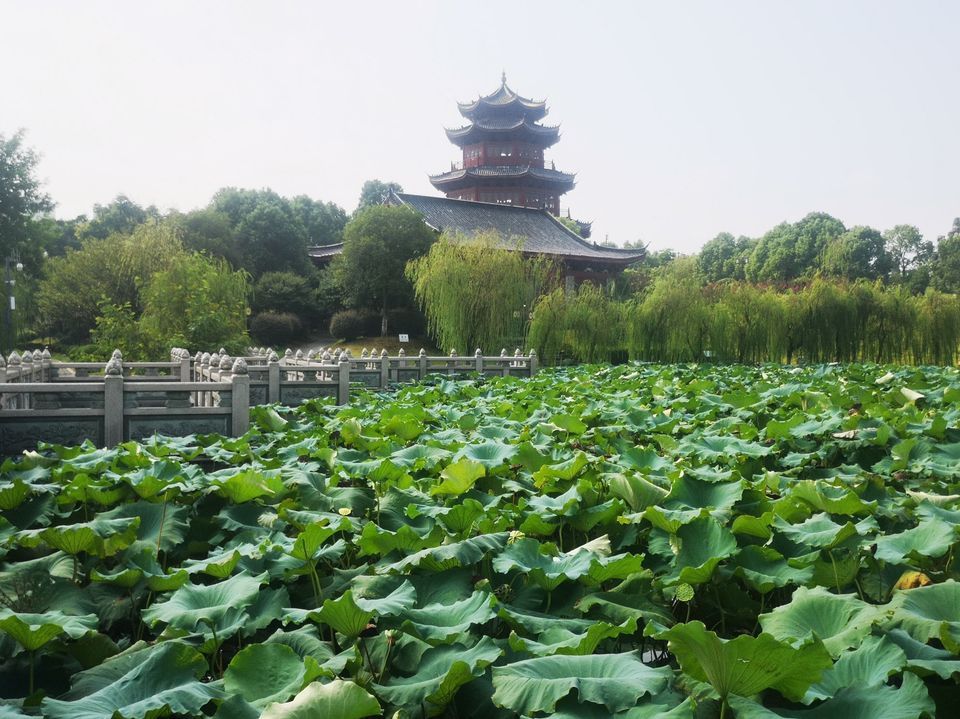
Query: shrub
{"x":283,"y":292}
{"x":350,"y":324}
{"x":275,"y":328}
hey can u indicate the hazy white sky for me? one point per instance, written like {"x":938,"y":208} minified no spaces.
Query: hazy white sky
{"x":681,"y":119}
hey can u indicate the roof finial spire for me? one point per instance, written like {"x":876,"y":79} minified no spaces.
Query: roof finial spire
{"x":503,"y":77}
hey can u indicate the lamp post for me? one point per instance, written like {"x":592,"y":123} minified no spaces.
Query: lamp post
{"x":11,"y":261}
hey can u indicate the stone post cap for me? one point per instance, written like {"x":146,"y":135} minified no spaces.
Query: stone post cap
{"x":402,"y":353}
{"x":13,"y":358}
{"x":503,"y":352}
{"x":27,"y":358}
{"x":346,"y":353}
{"x":272,"y":357}
{"x":288,"y":352}
{"x":114,"y":368}
{"x":423,"y":352}
{"x":45,"y":355}
{"x":221,"y":352}
{"x":311,"y":354}
{"x":215,"y":360}
{"x":3,"y":363}
{"x":363,"y":353}
{"x":453,"y":353}
{"x":326,"y":356}
{"x":226,"y":363}
{"x":383,"y":353}
{"x":117,"y":355}
{"x":37,"y":356}
{"x":299,"y":354}
{"x":533,"y":352}
{"x":239,"y":366}
{"x":518,"y":353}
{"x":205,"y":358}
{"x":478,"y":353}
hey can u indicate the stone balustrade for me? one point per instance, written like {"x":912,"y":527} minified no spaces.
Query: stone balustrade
{"x":68,"y":402}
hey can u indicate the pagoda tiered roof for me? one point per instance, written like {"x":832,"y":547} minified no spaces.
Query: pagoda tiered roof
{"x":504,"y":102}
{"x":456,"y":179}
{"x":495,"y":128}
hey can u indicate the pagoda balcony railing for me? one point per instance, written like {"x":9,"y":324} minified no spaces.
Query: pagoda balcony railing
{"x":545,"y":164}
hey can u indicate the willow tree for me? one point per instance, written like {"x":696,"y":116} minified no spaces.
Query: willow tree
{"x":586,"y":325}
{"x":476,"y":294}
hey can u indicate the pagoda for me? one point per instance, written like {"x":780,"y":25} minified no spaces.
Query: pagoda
{"x":503,"y":148}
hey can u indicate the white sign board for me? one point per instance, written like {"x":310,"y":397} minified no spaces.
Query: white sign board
{"x":404,"y":338}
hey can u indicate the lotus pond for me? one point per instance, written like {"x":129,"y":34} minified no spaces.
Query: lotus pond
{"x":635,"y":541}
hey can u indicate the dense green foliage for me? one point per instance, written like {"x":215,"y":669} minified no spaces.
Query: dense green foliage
{"x":477,"y":295}
{"x":619,"y":542}
{"x":678,"y":318}
{"x":378,"y":242}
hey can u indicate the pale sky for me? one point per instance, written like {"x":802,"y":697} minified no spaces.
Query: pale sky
{"x":680,"y":119}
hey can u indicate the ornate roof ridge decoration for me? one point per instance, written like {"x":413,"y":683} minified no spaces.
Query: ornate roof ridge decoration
{"x":504,"y":98}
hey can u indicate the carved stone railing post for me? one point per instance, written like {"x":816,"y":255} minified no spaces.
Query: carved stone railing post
{"x":240,"y":405}
{"x":113,"y":402}
{"x":46,"y":361}
{"x":273,"y":378}
{"x":533,"y":362}
{"x":423,"y":364}
{"x":384,"y":369}
{"x":184,"y":366}
{"x":343,"y":381}
{"x":478,"y":356}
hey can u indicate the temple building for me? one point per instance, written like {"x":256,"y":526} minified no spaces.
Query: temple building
{"x":503,"y":185}
{"x":503,"y":154}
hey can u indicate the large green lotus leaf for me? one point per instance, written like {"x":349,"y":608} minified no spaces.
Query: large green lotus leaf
{"x":337,"y":700}
{"x":375,"y":540}
{"x":32,"y":631}
{"x":450,"y":556}
{"x":931,"y":612}
{"x":632,"y":600}
{"x":645,"y":460}
{"x":396,"y":602}
{"x":441,"y":671}
{"x":634,"y":489}
{"x":458,"y":477}
{"x":665,"y":705}
{"x":462,"y":516}
{"x":839,"y":621}
{"x":341,"y":613}
{"x":193,"y":604}
{"x":264,"y":673}
{"x":151,"y":682}
{"x":617,"y":681}
{"x":490,"y":454}
{"x":567,"y":470}
{"x":11,"y":712}
{"x":557,"y":640}
{"x":827,"y":498}
{"x":305,"y":641}
{"x":102,"y":537}
{"x":718,"y":498}
{"x":930,"y":538}
{"x":818,"y":531}
{"x":162,"y":526}
{"x":619,"y":566}
{"x":162,"y":476}
{"x":439,"y":623}
{"x":568,"y":423}
{"x":420,"y":456}
{"x":236,"y":707}
{"x":566,"y":504}
{"x":548,"y":571}
{"x":219,"y":564}
{"x":249,"y":484}
{"x":533,"y":622}
{"x":746,"y":665}
{"x":909,"y":701}
{"x":703,"y":544}
{"x":722,"y":447}
{"x":310,"y":540}
{"x":924,"y":659}
{"x":765,"y":569}
{"x":869,"y":665}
